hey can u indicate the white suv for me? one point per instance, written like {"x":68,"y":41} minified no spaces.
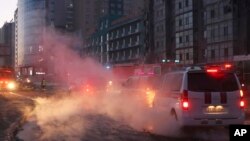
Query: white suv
{"x":202,"y":97}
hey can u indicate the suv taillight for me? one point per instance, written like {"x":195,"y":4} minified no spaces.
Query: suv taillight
{"x":184,"y":100}
{"x":242,"y":101}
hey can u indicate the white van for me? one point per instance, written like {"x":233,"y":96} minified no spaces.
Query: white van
{"x":202,"y":97}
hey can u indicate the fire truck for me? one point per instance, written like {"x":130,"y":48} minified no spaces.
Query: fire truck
{"x":7,"y":80}
{"x":141,"y":81}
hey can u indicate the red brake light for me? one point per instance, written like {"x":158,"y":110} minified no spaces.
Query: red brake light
{"x":212,"y":70}
{"x":242,"y":103}
{"x":228,"y":66}
{"x":185,"y":105}
{"x":184,"y":100}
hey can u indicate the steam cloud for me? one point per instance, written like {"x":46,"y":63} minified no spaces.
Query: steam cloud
{"x":64,"y":117}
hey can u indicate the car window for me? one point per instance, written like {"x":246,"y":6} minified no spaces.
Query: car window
{"x":149,"y":82}
{"x":173,"y":82}
{"x":219,"y":82}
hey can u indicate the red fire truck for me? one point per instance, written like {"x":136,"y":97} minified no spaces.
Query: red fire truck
{"x":7,"y":80}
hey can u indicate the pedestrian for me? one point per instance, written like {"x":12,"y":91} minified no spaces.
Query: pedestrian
{"x":43,"y":84}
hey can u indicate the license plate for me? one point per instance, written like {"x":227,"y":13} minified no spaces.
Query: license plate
{"x":215,"y":109}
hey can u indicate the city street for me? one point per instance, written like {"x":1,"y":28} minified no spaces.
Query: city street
{"x":38,"y":115}
{"x":124,"y":70}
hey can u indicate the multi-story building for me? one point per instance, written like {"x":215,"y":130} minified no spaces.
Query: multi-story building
{"x":227,"y":33}
{"x":164,"y":30}
{"x":188,"y":30}
{"x":149,"y":31}
{"x":159,"y":30}
{"x":219,"y":34}
{"x":31,"y":28}
{"x":7,"y":44}
{"x":88,"y":13}
{"x":60,"y":14}
{"x":33,"y":19}
{"x":226,"y":30}
{"x":126,"y":41}
{"x":5,"y":55}
{"x":16,"y":40}
{"x":96,"y":46}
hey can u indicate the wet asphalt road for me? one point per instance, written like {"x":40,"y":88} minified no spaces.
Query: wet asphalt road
{"x":103,"y":128}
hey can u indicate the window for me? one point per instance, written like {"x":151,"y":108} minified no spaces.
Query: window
{"x":170,"y":78}
{"x":180,"y":39}
{"x":225,"y":30}
{"x":180,"y":57}
{"x":212,"y":13}
{"x":187,"y":20}
{"x":180,"y":5}
{"x":187,"y":56}
{"x":158,"y":13}
{"x":221,"y":83}
{"x":180,"y":22}
{"x":161,"y":12}
{"x":225,"y":52}
{"x":212,"y":33}
{"x":119,"y":6}
{"x":212,"y":54}
{"x":187,"y":38}
{"x":226,"y":9}
{"x":157,"y":44}
{"x":186,"y":3}
{"x":158,"y":28}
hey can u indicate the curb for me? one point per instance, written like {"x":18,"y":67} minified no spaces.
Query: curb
{"x":11,"y":131}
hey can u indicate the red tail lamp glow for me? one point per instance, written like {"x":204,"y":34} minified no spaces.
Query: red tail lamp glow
{"x":242,"y":104}
{"x":184,"y":100}
{"x":228,"y":66}
{"x":212,"y":70}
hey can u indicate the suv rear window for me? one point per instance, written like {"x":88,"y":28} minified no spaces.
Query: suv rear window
{"x":219,"y":82}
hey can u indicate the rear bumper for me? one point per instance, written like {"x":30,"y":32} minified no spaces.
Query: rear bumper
{"x":212,"y":121}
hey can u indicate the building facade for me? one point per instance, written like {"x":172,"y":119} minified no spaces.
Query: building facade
{"x":88,"y":13}
{"x":60,"y":14}
{"x":219,"y":31}
{"x":188,"y":30}
{"x":126,"y":41}
{"x":226,"y":30}
{"x":31,"y":28}
{"x":7,"y":44}
{"x":159,"y":30}
{"x":35,"y":18}
{"x":96,"y":45}
{"x":16,"y":50}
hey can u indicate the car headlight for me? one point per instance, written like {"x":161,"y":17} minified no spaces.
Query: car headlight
{"x":28,"y":80}
{"x":11,"y":86}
